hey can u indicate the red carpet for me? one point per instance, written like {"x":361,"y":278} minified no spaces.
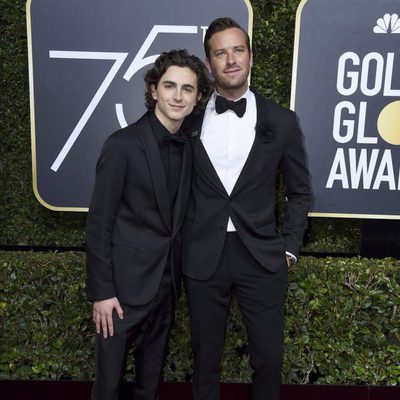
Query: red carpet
{"x":67,"y":390}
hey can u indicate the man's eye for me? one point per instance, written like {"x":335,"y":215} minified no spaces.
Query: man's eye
{"x":239,"y":50}
{"x":188,"y":90}
{"x":219,"y":53}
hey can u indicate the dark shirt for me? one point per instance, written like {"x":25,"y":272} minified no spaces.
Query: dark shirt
{"x":171,"y":149}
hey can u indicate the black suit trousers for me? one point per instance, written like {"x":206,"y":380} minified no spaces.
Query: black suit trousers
{"x":261,"y":298}
{"x":146,"y":328}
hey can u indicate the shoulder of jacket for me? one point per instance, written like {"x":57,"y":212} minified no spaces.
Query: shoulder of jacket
{"x":274,"y":108}
{"x":126,"y":134}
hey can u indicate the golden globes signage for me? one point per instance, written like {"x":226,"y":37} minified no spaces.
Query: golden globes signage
{"x":87,"y":60}
{"x":346,"y":91}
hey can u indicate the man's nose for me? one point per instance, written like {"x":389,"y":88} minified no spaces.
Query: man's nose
{"x":178,"y":94}
{"x":231,"y":58}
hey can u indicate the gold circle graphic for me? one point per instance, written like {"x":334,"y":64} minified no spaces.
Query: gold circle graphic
{"x":389,"y":123}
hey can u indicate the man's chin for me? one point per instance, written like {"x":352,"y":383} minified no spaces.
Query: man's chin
{"x":232,"y":86}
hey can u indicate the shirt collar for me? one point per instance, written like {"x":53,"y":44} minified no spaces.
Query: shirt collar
{"x":211,"y":103}
{"x":159,"y":130}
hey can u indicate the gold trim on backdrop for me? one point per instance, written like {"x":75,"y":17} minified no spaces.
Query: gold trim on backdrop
{"x":354,"y":216}
{"x":250,"y":29}
{"x":250,"y":23}
{"x":32,"y":117}
{"x":296,"y":53}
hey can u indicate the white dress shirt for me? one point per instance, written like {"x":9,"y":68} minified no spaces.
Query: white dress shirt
{"x":228,"y":140}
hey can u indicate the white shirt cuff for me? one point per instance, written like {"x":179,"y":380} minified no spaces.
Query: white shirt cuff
{"x":288,"y":253}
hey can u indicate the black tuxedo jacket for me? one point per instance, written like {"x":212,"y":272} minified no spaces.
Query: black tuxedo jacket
{"x":129,"y":232}
{"x":278,"y":146}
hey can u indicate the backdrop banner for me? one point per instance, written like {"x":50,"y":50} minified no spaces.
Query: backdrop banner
{"x":87,"y":61}
{"x":346,"y":91}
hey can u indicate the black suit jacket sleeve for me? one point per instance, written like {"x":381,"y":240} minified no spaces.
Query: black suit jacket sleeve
{"x":297,"y":187}
{"x":110,"y":177}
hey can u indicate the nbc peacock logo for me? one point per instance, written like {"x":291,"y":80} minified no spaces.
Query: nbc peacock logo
{"x":387,"y":24}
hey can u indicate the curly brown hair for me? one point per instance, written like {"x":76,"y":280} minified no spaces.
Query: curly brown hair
{"x":180,"y":58}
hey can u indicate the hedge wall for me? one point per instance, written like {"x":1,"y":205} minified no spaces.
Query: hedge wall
{"x":342,"y":324}
{"x":25,"y":222}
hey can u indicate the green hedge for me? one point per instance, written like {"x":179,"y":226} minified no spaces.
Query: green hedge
{"x":342,"y":324}
{"x":24,"y":221}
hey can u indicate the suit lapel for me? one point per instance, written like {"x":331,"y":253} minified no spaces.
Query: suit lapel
{"x":156,"y":169}
{"x":263,"y":136}
{"x":201,"y":157}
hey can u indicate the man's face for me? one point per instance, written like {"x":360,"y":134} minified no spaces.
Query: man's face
{"x":230,"y":62}
{"x":176,"y":95}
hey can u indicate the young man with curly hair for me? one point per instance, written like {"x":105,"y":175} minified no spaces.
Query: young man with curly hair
{"x":133,"y":239}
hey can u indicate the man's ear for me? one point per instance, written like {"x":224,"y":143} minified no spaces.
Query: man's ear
{"x":251,"y":58}
{"x":153,"y":90}
{"x":199,"y":96}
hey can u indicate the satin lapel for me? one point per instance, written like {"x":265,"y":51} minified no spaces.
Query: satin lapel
{"x":262,"y":139}
{"x":183,"y":190}
{"x":200,"y":156}
{"x":154,"y":162}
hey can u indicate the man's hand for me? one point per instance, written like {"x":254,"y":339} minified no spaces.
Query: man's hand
{"x":102,"y":315}
{"x":290,"y":263}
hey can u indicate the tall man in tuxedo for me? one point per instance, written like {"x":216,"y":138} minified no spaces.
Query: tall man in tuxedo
{"x":133,"y":228}
{"x":240,"y":144}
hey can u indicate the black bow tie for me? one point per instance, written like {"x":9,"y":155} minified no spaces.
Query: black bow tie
{"x":173,"y":138}
{"x":222,"y":104}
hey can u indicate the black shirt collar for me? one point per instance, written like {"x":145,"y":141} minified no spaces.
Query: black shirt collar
{"x":159,"y":130}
